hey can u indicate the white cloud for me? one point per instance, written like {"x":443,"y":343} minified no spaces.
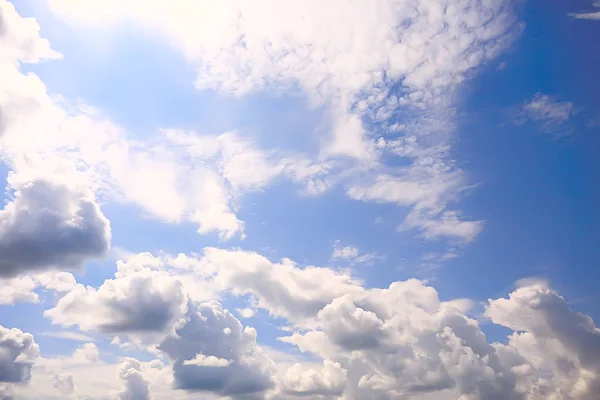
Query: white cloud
{"x":553,"y":338}
{"x":351,"y":56}
{"x":144,"y":304}
{"x":79,"y":337}
{"x":64,"y":384}
{"x":281,"y":288}
{"x":352,"y":255}
{"x":551,"y":115}
{"x":302,"y":381}
{"x":344,"y":252}
{"x":592,"y":15}
{"x":201,"y":360}
{"x":246,"y":312}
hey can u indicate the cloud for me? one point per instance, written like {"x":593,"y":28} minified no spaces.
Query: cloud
{"x":18,"y":353}
{"x":64,"y":384}
{"x":79,"y":337}
{"x":302,"y":381}
{"x":135,"y":386}
{"x":211,"y":336}
{"x":50,"y":226}
{"x":551,"y":115}
{"x":281,"y":288}
{"x":369,"y":66}
{"x":351,"y":255}
{"x":592,"y":15}
{"x":24,"y":288}
{"x":201,"y":360}
{"x":143,"y":303}
{"x":343,"y":253}
{"x":553,"y":338}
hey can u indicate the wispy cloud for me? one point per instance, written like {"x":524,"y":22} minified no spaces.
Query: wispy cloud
{"x":595,"y":15}
{"x":551,"y":115}
{"x":79,"y":337}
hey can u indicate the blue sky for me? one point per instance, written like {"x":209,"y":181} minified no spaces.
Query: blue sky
{"x":300,"y":158}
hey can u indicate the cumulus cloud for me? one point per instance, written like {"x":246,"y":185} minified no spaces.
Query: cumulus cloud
{"x":213,"y":352}
{"x":552,"y":337}
{"x":25,"y":288}
{"x":306,"y":381}
{"x":207,"y":361}
{"x":281,"y":288}
{"x":50,"y":226}
{"x":551,"y":115}
{"x":18,"y":353}
{"x":140,"y":302}
{"x":135,"y":386}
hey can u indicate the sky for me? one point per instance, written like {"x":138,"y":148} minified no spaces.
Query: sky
{"x":279,"y":200}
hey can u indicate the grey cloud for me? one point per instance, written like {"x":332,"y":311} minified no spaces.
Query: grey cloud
{"x":135,"y":385}
{"x":213,"y":331}
{"x":18,"y":352}
{"x":50,"y":226}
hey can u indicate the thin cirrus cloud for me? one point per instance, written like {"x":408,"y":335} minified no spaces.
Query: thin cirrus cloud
{"x":589,"y":15}
{"x":551,"y":115}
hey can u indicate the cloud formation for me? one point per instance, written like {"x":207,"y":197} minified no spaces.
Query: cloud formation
{"x":551,"y":115}
{"x":50,"y":226}
{"x":18,"y":353}
{"x":370,"y":64}
{"x":590,"y":15}
{"x":135,"y":387}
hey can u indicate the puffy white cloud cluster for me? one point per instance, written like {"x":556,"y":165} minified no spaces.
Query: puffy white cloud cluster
{"x":397,"y":342}
{"x":139,"y":302}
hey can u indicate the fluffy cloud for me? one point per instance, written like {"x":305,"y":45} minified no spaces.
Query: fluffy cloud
{"x":143,"y":303}
{"x":135,"y":386}
{"x":24,"y":288}
{"x":18,"y":353}
{"x":281,"y":288}
{"x":326,"y":380}
{"x":224,"y":357}
{"x":552,"y":337}
{"x":50,"y":226}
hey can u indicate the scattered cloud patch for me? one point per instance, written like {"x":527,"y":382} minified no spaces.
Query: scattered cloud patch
{"x":551,"y":116}
{"x":590,"y":15}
